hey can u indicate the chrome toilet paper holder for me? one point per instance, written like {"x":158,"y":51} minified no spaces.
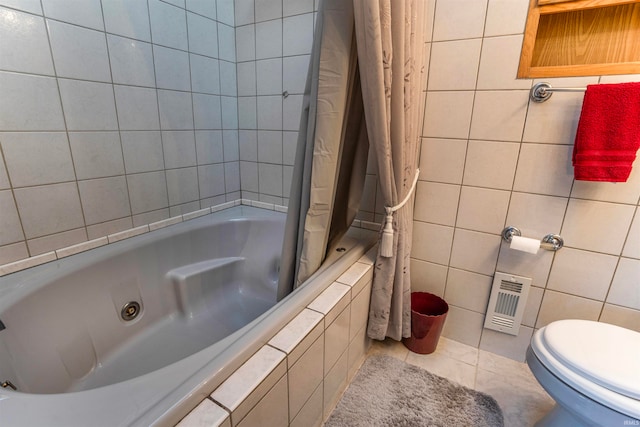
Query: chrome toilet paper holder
{"x":550,"y":242}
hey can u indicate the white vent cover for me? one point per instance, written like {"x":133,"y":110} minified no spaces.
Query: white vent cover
{"x":506,"y":304}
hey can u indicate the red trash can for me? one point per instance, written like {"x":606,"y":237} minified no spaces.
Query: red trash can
{"x":428,"y":313}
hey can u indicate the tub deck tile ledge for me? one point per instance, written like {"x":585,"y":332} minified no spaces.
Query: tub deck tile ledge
{"x":116,"y":237}
{"x":296,"y":330}
{"x":206,"y":414}
{"x":27,"y":263}
{"x":234,"y":393}
{"x":81,"y":247}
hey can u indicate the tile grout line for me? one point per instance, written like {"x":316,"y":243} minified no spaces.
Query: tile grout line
{"x":157,"y":91}
{"x":66,"y":126}
{"x":115,"y":105}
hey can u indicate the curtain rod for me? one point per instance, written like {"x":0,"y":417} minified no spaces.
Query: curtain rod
{"x":540,"y":92}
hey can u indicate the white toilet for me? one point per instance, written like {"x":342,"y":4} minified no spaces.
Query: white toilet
{"x":591,"y":369}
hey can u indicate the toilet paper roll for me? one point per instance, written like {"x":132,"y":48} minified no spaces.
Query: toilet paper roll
{"x":525,"y":244}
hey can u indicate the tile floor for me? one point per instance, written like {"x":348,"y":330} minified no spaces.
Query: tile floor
{"x":521,"y":398}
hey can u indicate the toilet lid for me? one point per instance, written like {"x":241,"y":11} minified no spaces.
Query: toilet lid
{"x":605,"y":354}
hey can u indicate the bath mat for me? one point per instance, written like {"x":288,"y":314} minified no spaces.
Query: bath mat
{"x":389,"y":392}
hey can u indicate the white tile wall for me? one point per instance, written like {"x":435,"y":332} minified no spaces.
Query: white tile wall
{"x":128,"y":18}
{"x":27,"y":97}
{"x":297,"y":34}
{"x":79,"y":53}
{"x":25,"y":46}
{"x":96,"y":154}
{"x":266,"y":10}
{"x":168,"y":25}
{"x":142,"y":151}
{"x":61,"y":203}
{"x":87,"y":14}
{"x":104,"y":199}
{"x":247,"y":112}
{"x":205,"y":74}
{"x":455,"y":64}
{"x":228,"y":78}
{"x":137,"y":108}
{"x":88,"y":105}
{"x":203,"y":35}
{"x":37,"y":158}
{"x":226,"y":42}
{"x":510,"y":160}
{"x":179,"y":149}
{"x":147,"y":192}
{"x":448,"y":114}
{"x":10,"y":223}
{"x":499,"y":64}
{"x":436,"y":203}
{"x":482,"y":209}
{"x":506,"y":17}
{"x":172,"y":68}
{"x":225,"y":12}
{"x":177,"y":109}
{"x":131,"y":61}
{"x":459,"y":19}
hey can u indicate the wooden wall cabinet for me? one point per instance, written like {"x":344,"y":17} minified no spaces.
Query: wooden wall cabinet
{"x":581,"y":38}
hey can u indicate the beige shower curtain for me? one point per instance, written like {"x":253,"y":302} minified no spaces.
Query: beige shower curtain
{"x":367,"y":62}
{"x":390,"y":42}
{"x":331,"y":156}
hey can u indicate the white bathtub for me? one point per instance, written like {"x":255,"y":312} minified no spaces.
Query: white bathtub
{"x":206,"y":294}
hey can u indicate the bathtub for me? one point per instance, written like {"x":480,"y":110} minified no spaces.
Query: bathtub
{"x":138,"y":332}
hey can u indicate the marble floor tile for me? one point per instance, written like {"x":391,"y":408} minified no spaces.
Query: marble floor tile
{"x":389,"y":347}
{"x":445,"y":366}
{"x":503,"y":365}
{"x":522,"y":400}
{"x":511,"y":383}
{"x":456,"y":350}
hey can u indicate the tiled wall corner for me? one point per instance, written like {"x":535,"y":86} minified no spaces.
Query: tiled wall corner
{"x":117,"y":116}
{"x":492,"y":158}
{"x":273,"y":46}
{"x":297,"y":378}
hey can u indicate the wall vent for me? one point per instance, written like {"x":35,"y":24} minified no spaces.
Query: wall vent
{"x":507,"y":302}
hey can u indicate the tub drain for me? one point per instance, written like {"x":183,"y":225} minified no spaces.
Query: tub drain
{"x":130,"y":311}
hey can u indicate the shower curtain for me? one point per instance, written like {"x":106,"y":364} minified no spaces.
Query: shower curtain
{"x":367,"y":62}
{"x":331,"y":155}
{"x":390,"y":40}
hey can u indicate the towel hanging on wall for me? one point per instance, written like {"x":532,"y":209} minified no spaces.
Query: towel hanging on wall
{"x":608,"y":134}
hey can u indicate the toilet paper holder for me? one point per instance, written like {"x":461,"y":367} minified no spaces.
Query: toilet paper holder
{"x":550,"y":242}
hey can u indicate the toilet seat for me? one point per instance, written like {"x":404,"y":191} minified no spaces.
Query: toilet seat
{"x":599,"y":360}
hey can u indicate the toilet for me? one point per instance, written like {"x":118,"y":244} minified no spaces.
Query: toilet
{"x":592,"y":371}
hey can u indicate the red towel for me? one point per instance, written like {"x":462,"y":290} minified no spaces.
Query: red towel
{"x":608,"y":134}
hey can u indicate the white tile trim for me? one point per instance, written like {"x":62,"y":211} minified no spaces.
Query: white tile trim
{"x":329,"y":298}
{"x":27,"y":263}
{"x":296,"y":330}
{"x":235,"y":389}
{"x":81,"y":247}
{"x":207,"y":414}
